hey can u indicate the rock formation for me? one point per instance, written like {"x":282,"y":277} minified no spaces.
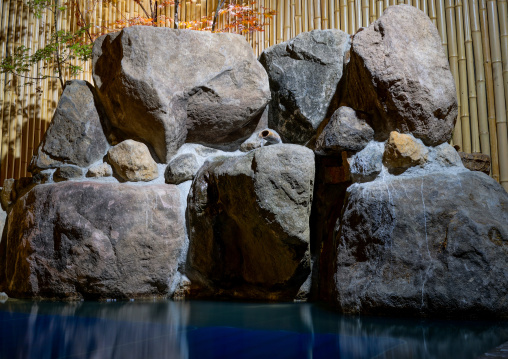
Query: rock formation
{"x":249,"y":224}
{"x":399,"y":74}
{"x":304,"y":77}
{"x":167,"y":86}
{"x":377,"y":215}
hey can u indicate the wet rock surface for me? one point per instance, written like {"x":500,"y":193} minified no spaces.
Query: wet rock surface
{"x":347,"y":130}
{"x":399,"y":74}
{"x":304,"y":76}
{"x":249,"y":224}
{"x":90,"y":240}
{"x":167,"y":86}
{"x":424,"y":245}
{"x":75,"y":135}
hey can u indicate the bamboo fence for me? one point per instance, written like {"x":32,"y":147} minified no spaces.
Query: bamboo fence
{"x":474,"y":36}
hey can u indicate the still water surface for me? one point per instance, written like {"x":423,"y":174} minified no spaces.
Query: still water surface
{"x":229,"y":330}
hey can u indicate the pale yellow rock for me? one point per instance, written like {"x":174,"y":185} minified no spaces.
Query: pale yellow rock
{"x":402,"y":152}
{"x":132,"y":161}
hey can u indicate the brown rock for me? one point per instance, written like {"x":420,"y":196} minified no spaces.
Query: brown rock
{"x":93,"y":240}
{"x":66,"y":173}
{"x":100,"y":170}
{"x":399,"y":74}
{"x":402,"y":152}
{"x":131,"y":160}
{"x":476,"y":161}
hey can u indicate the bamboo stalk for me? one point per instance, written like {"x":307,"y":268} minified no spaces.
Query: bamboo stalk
{"x":365,"y":12}
{"x":373,"y":10}
{"x":344,"y":19}
{"x":464,"y":113}
{"x":380,"y":8}
{"x":287,"y":20}
{"x":431,"y":5}
{"x":338,"y":24}
{"x":502,"y":6}
{"x":280,"y":22}
{"x":497,"y":68}
{"x":317,"y":14}
{"x":441,"y":24}
{"x":351,"y":17}
{"x":480,"y":77}
{"x":358,"y":12}
{"x":298,"y":17}
{"x":321,"y":14}
{"x":424,"y":7}
{"x":454,"y":67}
{"x":489,"y":84}
{"x":473,"y":107}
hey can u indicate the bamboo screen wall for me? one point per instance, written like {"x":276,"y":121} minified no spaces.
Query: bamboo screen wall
{"x":474,"y":36}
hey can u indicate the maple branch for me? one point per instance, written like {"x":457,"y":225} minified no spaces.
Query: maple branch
{"x":217,"y":14}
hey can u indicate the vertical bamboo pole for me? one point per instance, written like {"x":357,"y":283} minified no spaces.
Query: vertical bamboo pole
{"x":441,"y":24}
{"x":424,"y":7}
{"x":287,"y":20}
{"x":337,"y":12}
{"x":358,"y":12}
{"x":489,"y":83}
{"x":298,"y":17}
{"x":316,"y":15}
{"x":331,"y":15}
{"x":480,"y":77}
{"x":25,"y":106}
{"x":273,"y":23}
{"x":15,"y":118}
{"x":365,"y":12}
{"x":379,"y":8}
{"x":351,"y":17}
{"x":310,"y":14}
{"x":280,"y":21}
{"x":473,"y":107}
{"x":454,"y":67}
{"x":4,"y":88}
{"x":373,"y":10}
{"x":497,"y":68}
{"x":323,"y":13}
{"x":464,"y":113}
{"x":502,"y":6}
{"x":431,"y":5}
{"x":344,"y":19}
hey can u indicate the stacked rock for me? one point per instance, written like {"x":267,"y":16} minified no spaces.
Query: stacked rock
{"x":322,"y":171}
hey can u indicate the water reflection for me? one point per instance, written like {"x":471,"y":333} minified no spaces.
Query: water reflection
{"x":228,"y":330}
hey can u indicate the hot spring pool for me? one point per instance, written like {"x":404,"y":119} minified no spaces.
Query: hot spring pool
{"x":166,"y":329}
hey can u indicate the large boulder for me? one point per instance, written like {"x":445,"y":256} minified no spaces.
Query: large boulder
{"x":304,"y":76}
{"x":75,"y":135}
{"x":435,"y":244}
{"x":131,"y":161}
{"x":165,"y":86}
{"x":249,"y":224}
{"x":93,"y":240}
{"x":400,"y":75}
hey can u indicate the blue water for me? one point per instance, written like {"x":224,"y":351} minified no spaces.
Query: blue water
{"x":204,"y":330}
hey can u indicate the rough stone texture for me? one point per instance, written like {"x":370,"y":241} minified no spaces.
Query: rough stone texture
{"x":424,"y":245}
{"x":399,"y":73}
{"x":444,"y":155}
{"x":402,"y":152}
{"x":100,"y":170}
{"x":66,"y":173}
{"x":347,"y":131}
{"x":15,"y":188}
{"x":182,"y":168}
{"x":131,"y":160}
{"x":93,"y":240}
{"x":476,"y":161}
{"x":304,"y":75}
{"x":249,"y":224}
{"x":367,"y":164}
{"x":264,"y":137}
{"x":75,"y":134}
{"x":159,"y":83}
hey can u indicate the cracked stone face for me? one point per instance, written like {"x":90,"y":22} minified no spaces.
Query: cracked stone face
{"x":170,"y":86}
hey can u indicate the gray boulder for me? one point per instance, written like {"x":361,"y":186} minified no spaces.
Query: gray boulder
{"x":399,"y":74}
{"x":165,"y":86}
{"x":304,"y":75}
{"x":367,"y":164}
{"x":424,"y":245}
{"x":249,"y":224}
{"x":75,"y":135}
{"x":100,"y":170}
{"x":93,"y":240}
{"x":347,"y":130}
{"x":182,"y":168}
